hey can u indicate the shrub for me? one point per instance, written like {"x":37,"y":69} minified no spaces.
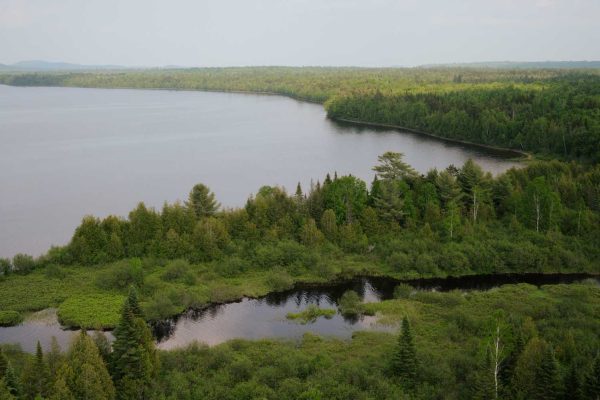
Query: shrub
{"x":279,"y":280}
{"x":311,"y":314}
{"x":53,"y":271}
{"x":5,"y":266}
{"x":350,"y":304}
{"x":179,"y":270}
{"x":10,"y":318}
{"x":160,"y":307}
{"x":231,"y":266}
{"x":121,"y":275}
{"x":23,"y":263}
{"x":403,"y":291}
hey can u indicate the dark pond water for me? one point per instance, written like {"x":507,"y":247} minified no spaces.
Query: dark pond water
{"x":266,"y":317}
{"x":68,"y":152}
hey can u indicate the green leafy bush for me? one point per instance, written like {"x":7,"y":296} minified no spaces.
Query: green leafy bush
{"x":10,"y":318}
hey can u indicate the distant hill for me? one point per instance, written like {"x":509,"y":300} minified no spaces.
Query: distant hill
{"x":520,"y":65}
{"x":40,"y":65}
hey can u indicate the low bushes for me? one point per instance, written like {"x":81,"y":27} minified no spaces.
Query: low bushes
{"x":98,"y":311}
{"x":10,"y":318}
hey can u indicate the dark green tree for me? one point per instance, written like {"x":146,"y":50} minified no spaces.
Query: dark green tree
{"x":36,"y":376}
{"x":202,"y":201}
{"x":84,"y":374}
{"x":134,"y":361}
{"x":404,"y":359}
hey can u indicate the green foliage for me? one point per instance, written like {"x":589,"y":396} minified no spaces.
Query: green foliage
{"x":311,"y":314}
{"x":22,"y":263}
{"x":404,"y":360}
{"x":10,"y":318}
{"x":90,"y":311}
{"x":202,"y":201}
{"x":350,"y":304}
{"x":134,"y":363}
{"x":84,"y":374}
{"x":36,"y":376}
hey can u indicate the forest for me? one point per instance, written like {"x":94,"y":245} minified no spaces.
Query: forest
{"x":552,"y":113}
{"x":517,"y":341}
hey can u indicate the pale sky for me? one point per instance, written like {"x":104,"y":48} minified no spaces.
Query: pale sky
{"x":298,"y":32}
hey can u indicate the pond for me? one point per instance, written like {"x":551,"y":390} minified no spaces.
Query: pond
{"x":265,"y":317}
{"x":69,"y":152}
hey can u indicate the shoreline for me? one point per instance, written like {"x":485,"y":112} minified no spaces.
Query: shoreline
{"x":502,"y":151}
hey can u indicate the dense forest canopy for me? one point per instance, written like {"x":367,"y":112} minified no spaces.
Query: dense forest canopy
{"x":545,"y":111}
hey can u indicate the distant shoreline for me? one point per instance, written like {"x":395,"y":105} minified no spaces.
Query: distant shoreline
{"x":503,"y":151}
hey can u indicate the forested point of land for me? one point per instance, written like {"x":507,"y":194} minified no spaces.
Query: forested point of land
{"x":550,"y":112}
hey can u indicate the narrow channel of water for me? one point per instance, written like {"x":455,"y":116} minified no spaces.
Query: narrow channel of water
{"x":265,"y":317}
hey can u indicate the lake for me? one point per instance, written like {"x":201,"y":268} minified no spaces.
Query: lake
{"x":69,"y":152}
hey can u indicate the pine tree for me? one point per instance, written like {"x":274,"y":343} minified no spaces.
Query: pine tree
{"x":404,"y":359}
{"x":11,"y":381}
{"x":36,"y":376}
{"x":5,"y":393}
{"x":547,"y":376}
{"x":202,"y":201}
{"x":84,"y":375}
{"x":484,"y":380}
{"x":133,"y":360}
{"x":572,"y":384}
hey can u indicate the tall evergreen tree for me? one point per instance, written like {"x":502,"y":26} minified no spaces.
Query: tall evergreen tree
{"x":5,"y":393}
{"x":548,"y":380}
{"x":484,"y":388}
{"x":84,"y":375}
{"x":404,"y":359}
{"x":36,"y":376}
{"x":133,"y":361}
{"x":573,"y":385}
{"x":202,"y":201}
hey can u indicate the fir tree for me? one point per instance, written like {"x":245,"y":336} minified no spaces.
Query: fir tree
{"x":133,"y":360}
{"x":36,"y":376}
{"x":484,"y":388}
{"x":404,"y":359}
{"x":84,"y":375}
{"x":5,"y":393}
{"x":547,"y":376}
{"x":10,"y":379}
{"x":572,"y":384}
{"x":202,"y":201}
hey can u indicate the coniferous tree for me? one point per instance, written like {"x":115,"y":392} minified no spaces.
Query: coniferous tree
{"x":404,"y":359}
{"x":11,"y":381}
{"x":484,"y":388}
{"x":133,"y":360}
{"x":548,"y":381}
{"x":573,"y":385}
{"x":36,"y":376}
{"x":5,"y":393}
{"x":202,"y":201}
{"x":84,"y":375}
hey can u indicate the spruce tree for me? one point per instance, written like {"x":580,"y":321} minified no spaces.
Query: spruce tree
{"x":5,"y":393}
{"x":202,"y":201}
{"x":484,"y":388}
{"x":36,"y":376}
{"x":3,"y":364}
{"x":133,"y":360}
{"x":547,"y":376}
{"x":84,"y":375}
{"x":572,"y":384}
{"x":404,"y":359}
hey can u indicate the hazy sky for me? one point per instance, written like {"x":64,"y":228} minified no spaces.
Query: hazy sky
{"x":297,"y":32}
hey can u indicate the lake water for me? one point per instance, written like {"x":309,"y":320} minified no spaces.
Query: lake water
{"x":68,"y":152}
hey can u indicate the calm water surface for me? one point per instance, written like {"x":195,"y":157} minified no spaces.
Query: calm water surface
{"x":266,"y":317}
{"x":68,"y":152}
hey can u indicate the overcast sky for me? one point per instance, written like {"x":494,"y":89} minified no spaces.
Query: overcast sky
{"x":298,"y":32}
